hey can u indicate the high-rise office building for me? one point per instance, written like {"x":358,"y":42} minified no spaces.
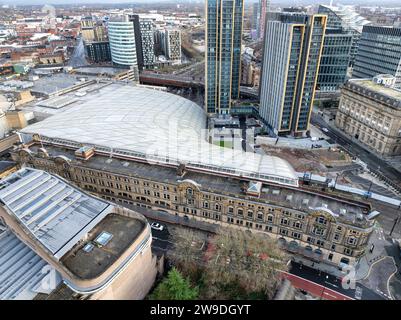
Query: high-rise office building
{"x":264,"y":7}
{"x":223,"y":53}
{"x":345,"y":18}
{"x":379,"y":52}
{"x":144,"y":41}
{"x":122,"y":42}
{"x":97,"y":51}
{"x":294,"y":43}
{"x":334,"y":61}
{"x":255,"y":16}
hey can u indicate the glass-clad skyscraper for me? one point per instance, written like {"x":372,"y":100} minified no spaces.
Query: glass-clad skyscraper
{"x":223,"y":53}
{"x":379,"y":52}
{"x":122,"y":43}
{"x":292,"y":50}
{"x":334,"y":61}
{"x":348,"y":20}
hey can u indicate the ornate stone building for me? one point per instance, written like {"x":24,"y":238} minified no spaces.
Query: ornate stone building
{"x":316,"y":225}
{"x":370,"y":112}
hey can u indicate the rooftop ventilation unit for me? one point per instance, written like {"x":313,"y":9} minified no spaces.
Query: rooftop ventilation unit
{"x":103,"y":238}
{"x":305,"y":201}
{"x":289,"y":197}
{"x":88,"y":247}
{"x":84,"y":153}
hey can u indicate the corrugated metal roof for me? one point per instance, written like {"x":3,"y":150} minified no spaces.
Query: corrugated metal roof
{"x":56,"y":213}
{"x":22,"y":271}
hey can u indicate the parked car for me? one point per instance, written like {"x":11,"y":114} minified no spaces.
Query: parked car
{"x":325,"y":130}
{"x":157,"y":226}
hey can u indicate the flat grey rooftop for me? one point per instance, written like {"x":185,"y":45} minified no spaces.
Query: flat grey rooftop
{"x":48,"y":85}
{"x":99,"y":70}
{"x":55,"y":213}
{"x":369,"y":88}
{"x":88,"y":265}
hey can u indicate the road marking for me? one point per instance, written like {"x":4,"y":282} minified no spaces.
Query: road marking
{"x":370,"y":268}
{"x":388,"y":280}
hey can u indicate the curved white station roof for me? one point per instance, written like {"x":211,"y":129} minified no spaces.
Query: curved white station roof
{"x":128,"y":120}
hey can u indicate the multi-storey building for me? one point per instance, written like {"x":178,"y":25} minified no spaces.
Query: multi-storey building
{"x":334,"y":61}
{"x":263,"y":8}
{"x":92,"y":30}
{"x":250,"y":69}
{"x":144,"y":41}
{"x":255,"y":18}
{"x":223,"y":54}
{"x":59,"y":242}
{"x":292,"y":50}
{"x":142,"y":165}
{"x":98,"y":51}
{"x":379,"y":52}
{"x":122,"y":43}
{"x":172,"y":44}
{"x":370,"y":112}
{"x":347,"y":19}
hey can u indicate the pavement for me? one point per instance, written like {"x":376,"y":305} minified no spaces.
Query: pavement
{"x":376,"y":269}
{"x":301,"y":143}
{"x":332,"y":284}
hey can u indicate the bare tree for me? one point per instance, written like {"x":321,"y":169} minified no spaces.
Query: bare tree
{"x":241,"y":260}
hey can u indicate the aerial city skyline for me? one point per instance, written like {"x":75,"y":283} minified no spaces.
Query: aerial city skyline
{"x":200,"y":150}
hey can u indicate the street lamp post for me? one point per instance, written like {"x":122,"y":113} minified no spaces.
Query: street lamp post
{"x":395,"y":223}
{"x":370,"y":186}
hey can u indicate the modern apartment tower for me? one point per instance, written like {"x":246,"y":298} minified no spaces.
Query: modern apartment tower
{"x":122,"y":43}
{"x":144,"y":41}
{"x":345,"y":18}
{"x":172,"y":44}
{"x":223,"y":53}
{"x":379,"y":52}
{"x":294,"y":43}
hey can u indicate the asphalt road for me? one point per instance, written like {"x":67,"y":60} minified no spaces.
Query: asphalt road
{"x":331,"y":282}
{"x":372,"y":161}
{"x":160,"y":239}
